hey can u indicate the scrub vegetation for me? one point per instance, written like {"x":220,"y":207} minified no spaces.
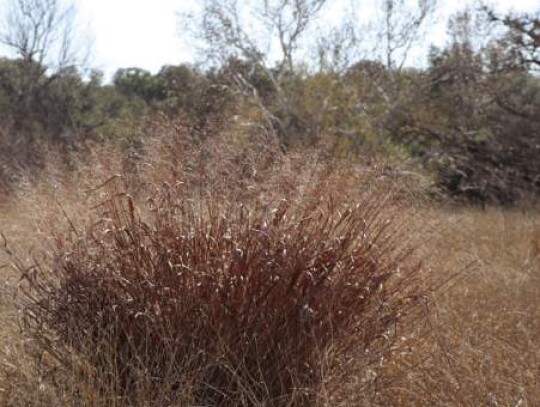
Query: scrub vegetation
{"x":346,"y":232}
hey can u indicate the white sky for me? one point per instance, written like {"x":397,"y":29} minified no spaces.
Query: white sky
{"x":129,"y":33}
{"x":146,"y":33}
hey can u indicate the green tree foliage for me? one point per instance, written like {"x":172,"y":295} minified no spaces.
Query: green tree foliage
{"x":136,"y":82}
{"x":174,"y":90}
{"x":476,"y":125}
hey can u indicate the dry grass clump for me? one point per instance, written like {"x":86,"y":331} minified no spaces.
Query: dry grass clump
{"x":214,"y":303}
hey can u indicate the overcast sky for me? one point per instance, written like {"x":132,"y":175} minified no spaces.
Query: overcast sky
{"x":146,"y":33}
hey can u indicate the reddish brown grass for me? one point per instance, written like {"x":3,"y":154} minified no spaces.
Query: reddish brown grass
{"x":239,"y":303}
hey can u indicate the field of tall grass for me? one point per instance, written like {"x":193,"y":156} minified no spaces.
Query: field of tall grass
{"x":213,"y":270}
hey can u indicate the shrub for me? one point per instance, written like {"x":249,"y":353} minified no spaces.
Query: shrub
{"x":223,"y":304}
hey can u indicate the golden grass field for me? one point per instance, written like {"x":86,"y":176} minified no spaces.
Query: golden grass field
{"x":477,"y":345}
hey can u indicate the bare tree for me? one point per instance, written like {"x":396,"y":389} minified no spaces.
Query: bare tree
{"x":523,"y":33}
{"x":401,"y":28}
{"x":338,"y":45}
{"x":256,"y":30}
{"x":42,"y":32}
{"x":274,"y":37}
{"x":393,"y":29}
{"x":385,"y":41}
{"x":266,"y":34}
{"x":42,"y":36}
